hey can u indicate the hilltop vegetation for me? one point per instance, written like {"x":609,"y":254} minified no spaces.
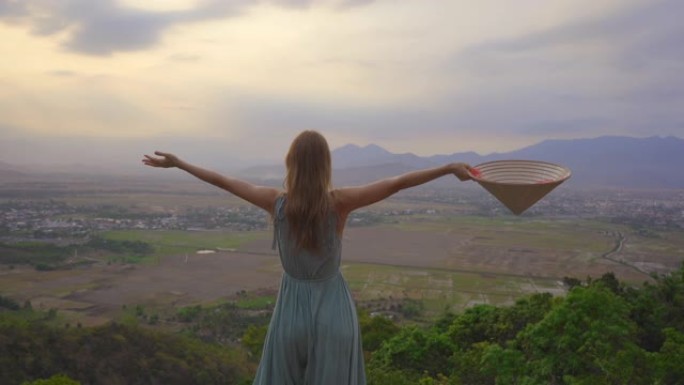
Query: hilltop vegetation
{"x":602,"y":332}
{"x":31,"y":347}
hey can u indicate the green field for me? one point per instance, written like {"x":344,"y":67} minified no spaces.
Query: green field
{"x":174,"y":242}
{"x":250,"y":301}
{"x":441,"y":289}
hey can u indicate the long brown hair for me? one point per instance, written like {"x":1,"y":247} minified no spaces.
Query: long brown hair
{"x":308,"y":183}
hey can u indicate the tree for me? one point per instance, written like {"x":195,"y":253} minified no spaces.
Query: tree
{"x":670,"y":360}
{"x":416,"y":350}
{"x":375,"y":330}
{"x":587,"y":339}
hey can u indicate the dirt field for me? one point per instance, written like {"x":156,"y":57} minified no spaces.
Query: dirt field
{"x":100,"y":291}
{"x":442,"y":259}
{"x":446,"y":263}
{"x":526,"y":249}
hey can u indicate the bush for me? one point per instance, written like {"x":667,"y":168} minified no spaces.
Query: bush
{"x":54,"y":380}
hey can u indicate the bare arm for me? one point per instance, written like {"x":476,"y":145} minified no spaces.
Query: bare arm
{"x":351,"y":198}
{"x":263,"y":197}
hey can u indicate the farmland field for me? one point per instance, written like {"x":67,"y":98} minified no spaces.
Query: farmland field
{"x":446,"y":249}
{"x":176,"y":242}
{"x":444,"y":261}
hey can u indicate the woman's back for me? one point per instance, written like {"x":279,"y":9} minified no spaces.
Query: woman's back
{"x":314,"y":336}
{"x":302,"y":264}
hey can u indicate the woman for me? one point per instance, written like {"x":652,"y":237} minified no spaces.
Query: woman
{"x":314,"y":336}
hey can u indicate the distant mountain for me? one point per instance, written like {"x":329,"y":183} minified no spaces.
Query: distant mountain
{"x":360,"y":175}
{"x":351,"y":155}
{"x":609,"y":161}
{"x":653,"y":162}
{"x":265,"y":172}
{"x":10,"y":171}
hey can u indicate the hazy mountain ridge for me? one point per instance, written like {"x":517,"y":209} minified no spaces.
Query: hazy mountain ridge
{"x":608,"y":161}
{"x":10,"y":171}
{"x":353,"y":156}
{"x":654,"y":162}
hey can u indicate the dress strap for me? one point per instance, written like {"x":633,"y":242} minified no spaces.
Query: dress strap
{"x":276,"y":215}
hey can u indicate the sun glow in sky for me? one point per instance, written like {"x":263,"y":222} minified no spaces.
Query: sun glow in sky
{"x":425,"y":77}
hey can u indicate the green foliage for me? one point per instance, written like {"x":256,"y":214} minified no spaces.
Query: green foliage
{"x":486,"y":323}
{"x":253,"y":340}
{"x":375,"y":330}
{"x":58,"y":379}
{"x":136,"y":248}
{"x":189,"y":313}
{"x":600,"y":333}
{"x":588,"y":337}
{"x":8,"y":303}
{"x":670,"y":360}
{"x":476,"y":324}
{"x":255,"y":303}
{"x":416,"y":350}
{"x":498,"y":366}
{"x":225,"y":323}
{"x":669,"y":290}
{"x":47,"y":256}
{"x":412,"y":308}
{"x":439,"y":380}
{"x":112,"y":354}
{"x":388,"y":376}
{"x":468,"y":364}
{"x":139,"y":310}
{"x":571,"y":282}
{"x":444,"y":321}
{"x":44,"y":267}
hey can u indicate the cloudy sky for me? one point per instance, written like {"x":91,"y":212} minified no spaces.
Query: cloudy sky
{"x":87,"y":80}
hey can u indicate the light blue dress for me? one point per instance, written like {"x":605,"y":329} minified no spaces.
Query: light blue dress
{"x":314,"y":336}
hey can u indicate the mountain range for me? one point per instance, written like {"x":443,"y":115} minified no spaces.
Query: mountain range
{"x":608,"y":161}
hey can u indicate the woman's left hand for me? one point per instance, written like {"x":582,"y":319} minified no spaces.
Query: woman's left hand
{"x":460,"y":170}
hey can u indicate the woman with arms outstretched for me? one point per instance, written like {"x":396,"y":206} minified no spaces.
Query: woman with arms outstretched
{"x":313,"y":337}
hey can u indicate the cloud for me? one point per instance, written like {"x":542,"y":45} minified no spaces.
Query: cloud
{"x":390,"y":74}
{"x":184,"y":58}
{"x":303,"y":4}
{"x":104,"y":31}
{"x":13,"y":8}
{"x":619,"y":72}
{"x":104,"y":27}
{"x":649,"y":31}
{"x":561,"y":128}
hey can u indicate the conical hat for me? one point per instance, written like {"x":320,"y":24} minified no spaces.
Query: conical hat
{"x":519,"y":184}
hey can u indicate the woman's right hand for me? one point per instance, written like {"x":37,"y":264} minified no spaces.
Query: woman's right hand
{"x":167,"y":160}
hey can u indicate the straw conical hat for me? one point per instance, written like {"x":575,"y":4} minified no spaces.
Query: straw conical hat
{"x":519,"y":184}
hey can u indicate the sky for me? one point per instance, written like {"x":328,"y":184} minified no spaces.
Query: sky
{"x":103,"y":81}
